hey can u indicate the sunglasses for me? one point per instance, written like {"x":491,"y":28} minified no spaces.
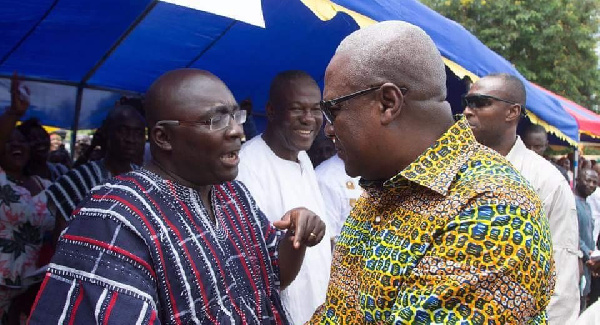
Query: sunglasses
{"x":480,"y":101}
{"x":327,"y":106}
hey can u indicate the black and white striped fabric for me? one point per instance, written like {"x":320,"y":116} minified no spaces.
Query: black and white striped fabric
{"x":72,"y":187}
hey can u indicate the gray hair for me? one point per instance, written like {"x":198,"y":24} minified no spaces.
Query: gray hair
{"x":397,"y":52}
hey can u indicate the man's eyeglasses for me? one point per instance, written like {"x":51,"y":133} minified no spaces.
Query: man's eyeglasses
{"x":214,"y":124}
{"x":480,"y":101}
{"x":328,"y":105}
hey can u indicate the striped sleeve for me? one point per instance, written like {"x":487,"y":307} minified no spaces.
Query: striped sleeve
{"x":101,"y":273}
{"x":71,"y":188}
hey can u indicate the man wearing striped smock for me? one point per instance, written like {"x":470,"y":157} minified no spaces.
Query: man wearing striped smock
{"x":179,"y":241}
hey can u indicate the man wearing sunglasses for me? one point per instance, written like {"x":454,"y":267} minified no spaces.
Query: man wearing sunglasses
{"x":446,"y":231}
{"x":278,"y":172}
{"x":179,"y":241}
{"x":493,"y":107}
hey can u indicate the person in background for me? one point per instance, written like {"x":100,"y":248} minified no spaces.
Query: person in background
{"x":61,"y":156}
{"x":180,"y":242}
{"x":587,"y":180}
{"x":493,"y":106}
{"x":124,"y":136}
{"x":565,"y":163}
{"x":447,"y":230}
{"x":535,"y":139}
{"x":594,"y":202}
{"x":39,"y":143}
{"x":24,"y":217}
{"x":321,"y":149}
{"x":340,"y":192}
{"x":277,"y":171}
{"x":56,"y":141}
{"x":249,"y":127}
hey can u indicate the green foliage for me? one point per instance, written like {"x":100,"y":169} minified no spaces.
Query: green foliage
{"x":551,"y":42}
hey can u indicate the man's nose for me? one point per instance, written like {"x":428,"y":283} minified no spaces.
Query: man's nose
{"x":329,"y":130}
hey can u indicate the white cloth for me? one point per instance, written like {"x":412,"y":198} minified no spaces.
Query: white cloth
{"x":279,"y":185}
{"x":339,"y":190}
{"x":559,"y":205}
{"x":591,"y":316}
{"x":594,"y":202}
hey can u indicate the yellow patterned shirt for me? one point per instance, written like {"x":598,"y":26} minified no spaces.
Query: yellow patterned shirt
{"x":458,"y":236}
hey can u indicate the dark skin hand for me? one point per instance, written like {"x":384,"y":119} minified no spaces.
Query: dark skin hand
{"x":304,"y":229}
{"x":18,"y":106}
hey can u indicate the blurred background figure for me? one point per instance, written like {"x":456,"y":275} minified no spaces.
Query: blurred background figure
{"x":321,"y":149}
{"x":39,"y":143}
{"x":24,"y":217}
{"x":535,"y":139}
{"x":56,"y":141}
{"x":250,"y":126}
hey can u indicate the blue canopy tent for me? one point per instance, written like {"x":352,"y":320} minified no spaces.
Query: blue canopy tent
{"x":80,"y":56}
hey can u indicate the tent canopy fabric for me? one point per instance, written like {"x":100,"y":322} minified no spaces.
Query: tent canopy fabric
{"x":588,"y":121}
{"x":80,"y":56}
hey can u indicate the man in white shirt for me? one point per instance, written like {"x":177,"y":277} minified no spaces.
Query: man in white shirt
{"x":594,"y":202}
{"x":339,"y":190}
{"x":493,"y":107}
{"x":277,"y":171}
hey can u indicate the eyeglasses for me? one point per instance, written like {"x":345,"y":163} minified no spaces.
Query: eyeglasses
{"x":480,"y":101}
{"x":214,"y":124}
{"x":327,"y":105}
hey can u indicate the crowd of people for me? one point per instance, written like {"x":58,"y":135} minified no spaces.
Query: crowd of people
{"x":364,"y":202}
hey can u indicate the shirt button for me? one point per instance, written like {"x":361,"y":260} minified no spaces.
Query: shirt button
{"x":377,"y":220}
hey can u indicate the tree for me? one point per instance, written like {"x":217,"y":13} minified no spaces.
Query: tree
{"x":551,"y":42}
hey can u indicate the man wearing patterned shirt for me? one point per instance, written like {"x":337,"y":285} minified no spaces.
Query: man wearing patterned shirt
{"x":179,"y":242}
{"x":447,"y":231}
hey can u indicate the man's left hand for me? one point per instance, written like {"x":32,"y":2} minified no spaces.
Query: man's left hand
{"x":303,"y":226}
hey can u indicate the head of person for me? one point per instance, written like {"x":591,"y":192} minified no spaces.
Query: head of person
{"x":55,"y":141}
{"x":587,"y":180}
{"x":596,"y":168}
{"x":493,"y":107}
{"x":294,"y":116}
{"x":38,"y":138}
{"x":321,"y":149}
{"x":385,"y":98}
{"x":196,"y":127}
{"x":124,"y":134}
{"x":15,"y":154}
{"x":565,"y":163}
{"x":584,"y":163}
{"x":60,"y":156}
{"x":536,"y":139}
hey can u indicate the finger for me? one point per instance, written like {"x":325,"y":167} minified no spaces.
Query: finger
{"x":14,"y":83}
{"x":301,"y":226}
{"x":282,"y":224}
{"x":319,"y":233}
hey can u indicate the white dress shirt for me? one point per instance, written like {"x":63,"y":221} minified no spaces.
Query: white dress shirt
{"x":594,"y":202}
{"x":559,"y":205}
{"x":279,"y":185}
{"x":339,"y":190}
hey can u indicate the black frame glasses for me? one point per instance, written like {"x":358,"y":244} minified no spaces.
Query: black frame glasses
{"x":479,"y":101}
{"x":326,"y":105}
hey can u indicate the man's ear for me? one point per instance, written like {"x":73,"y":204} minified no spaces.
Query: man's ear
{"x":513,"y":113}
{"x":391,"y":100}
{"x":161,"y":137}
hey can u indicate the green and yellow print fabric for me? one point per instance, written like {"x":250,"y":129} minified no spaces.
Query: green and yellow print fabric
{"x":461,"y":239}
